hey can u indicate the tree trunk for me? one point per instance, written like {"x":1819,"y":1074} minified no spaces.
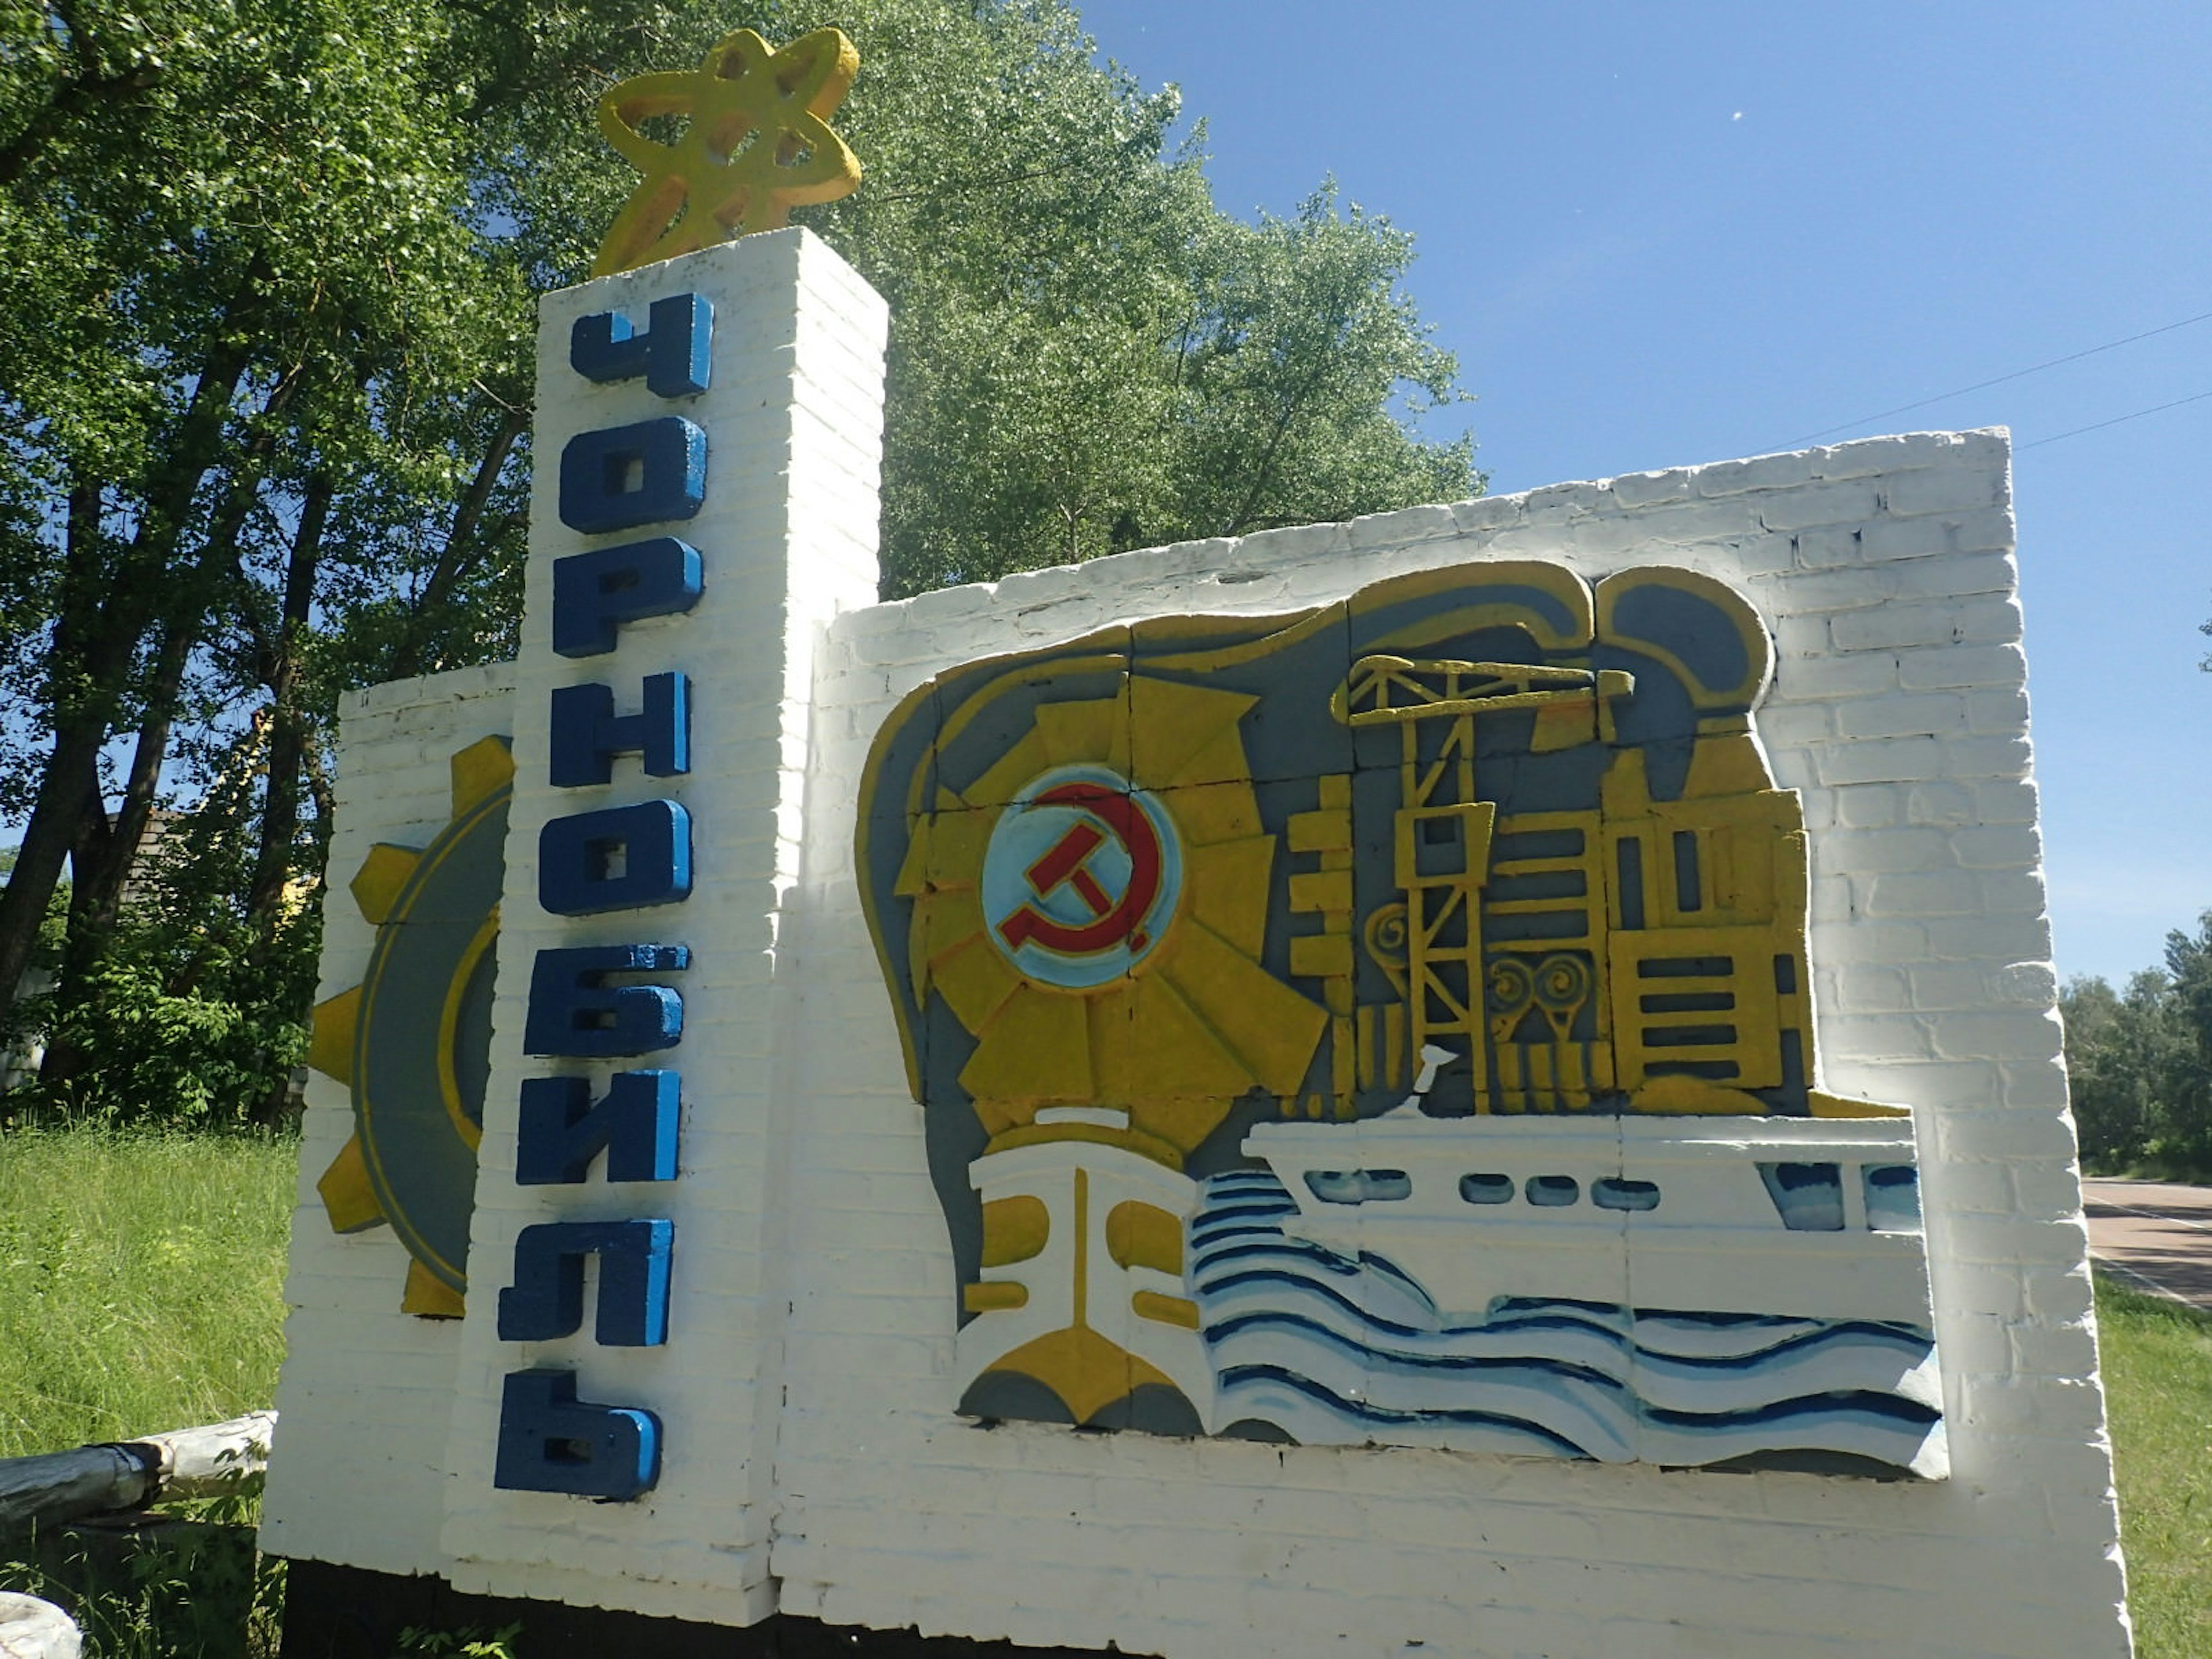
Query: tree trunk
{"x":288,"y":735}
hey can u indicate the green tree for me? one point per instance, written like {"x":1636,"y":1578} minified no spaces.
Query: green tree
{"x":265,"y":374}
{"x":2139,"y":1062}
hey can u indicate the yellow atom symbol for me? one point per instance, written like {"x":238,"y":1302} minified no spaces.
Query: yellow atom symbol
{"x":756,"y":144}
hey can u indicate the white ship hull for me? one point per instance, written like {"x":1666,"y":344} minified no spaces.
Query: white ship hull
{"x":1713,"y":1240}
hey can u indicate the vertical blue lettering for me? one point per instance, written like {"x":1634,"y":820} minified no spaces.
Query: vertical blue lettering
{"x":592,"y":592}
{"x":675,"y":354}
{"x":550,"y":1441}
{"x":587,"y":733}
{"x":573,"y":1011}
{"x":621,"y":477}
{"x":561,"y":1130}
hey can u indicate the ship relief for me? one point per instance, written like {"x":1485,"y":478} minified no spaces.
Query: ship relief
{"x":1391,"y":1024}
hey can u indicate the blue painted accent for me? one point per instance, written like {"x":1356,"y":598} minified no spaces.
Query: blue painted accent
{"x":587,"y":733}
{"x":621,"y":477}
{"x":1553,"y":1192}
{"x":546,"y":1300}
{"x":1487,"y":1188}
{"x":550,"y":1441}
{"x":1809,"y":1197}
{"x":1893,"y":1198}
{"x":573,"y":1011}
{"x":621,"y":858}
{"x":1617,"y":1193}
{"x":561,"y":1130}
{"x":1359,"y":1186}
{"x":594,"y":592}
{"x":675,"y":354}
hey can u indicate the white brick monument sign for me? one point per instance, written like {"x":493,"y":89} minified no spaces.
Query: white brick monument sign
{"x":1481,"y":1080}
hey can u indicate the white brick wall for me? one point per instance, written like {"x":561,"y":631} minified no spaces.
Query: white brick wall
{"x":367,"y":1390}
{"x":1884,"y":568}
{"x":814,"y":1461}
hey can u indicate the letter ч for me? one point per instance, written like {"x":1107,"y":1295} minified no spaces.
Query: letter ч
{"x":675,"y":354}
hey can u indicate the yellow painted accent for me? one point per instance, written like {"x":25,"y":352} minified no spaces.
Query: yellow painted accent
{"x":1828,"y":1105}
{"x":1320,"y":956}
{"x":995,"y":1296}
{"x":481,"y":771}
{"x":1097,"y":730}
{"x":1563,"y":726}
{"x":348,"y":1199}
{"x":1166,"y":1310}
{"x":1145,"y":1236}
{"x":1014,"y":1229}
{"x":973,"y":978}
{"x":376,"y":885}
{"x":1693,"y":1095}
{"x":1037,"y":1047}
{"x":756,"y":142}
{"x":1185,"y":734}
{"x":1326,"y":890}
{"x":1269,"y":1026}
{"x":1727,"y":763}
{"x":449,"y":1019}
{"x":1085,"y":1370}
{"x":428,"y":1296}
{"x":1335,"y":791}
{"x":1323,"y":831}
{"x":1227,"y":886}
{"x":332,"y":1031}
{"x":1163,"y":1047}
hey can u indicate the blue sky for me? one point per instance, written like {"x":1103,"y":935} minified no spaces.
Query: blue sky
{"x":1658,"y":234}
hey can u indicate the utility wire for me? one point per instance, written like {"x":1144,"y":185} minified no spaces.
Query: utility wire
{"x":2018,"y":373}
{"x":2099,"y":426}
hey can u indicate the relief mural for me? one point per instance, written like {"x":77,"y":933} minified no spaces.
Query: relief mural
{"x":1391,"y":1024}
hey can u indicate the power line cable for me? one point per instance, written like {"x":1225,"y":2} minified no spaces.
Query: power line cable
{"x":2099,"y":426}
{"x":2018,"y":373}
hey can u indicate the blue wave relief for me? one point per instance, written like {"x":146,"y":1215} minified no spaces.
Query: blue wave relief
{"x":1323,"y":1349}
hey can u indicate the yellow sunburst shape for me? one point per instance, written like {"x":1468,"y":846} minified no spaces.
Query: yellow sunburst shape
{"x":756,"y":144}
{"x":1182,"y":1020}
{"x":411,"y":1042}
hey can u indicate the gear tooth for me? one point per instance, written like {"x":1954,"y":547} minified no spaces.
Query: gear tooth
{"x":428,"y":1296}
{"x":484,"y":768}
{"x":330,"y":1045}
{"x":348,"y":1198}
{"x":382,"y":874}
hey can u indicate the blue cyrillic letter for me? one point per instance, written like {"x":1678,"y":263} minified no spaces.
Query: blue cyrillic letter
{"x":587,"y":733}
{"x":624,"y":858}
{"x":561,"y":1131}
{"x":594,"y":592}
{"x":546,"y":1300}
{"x":572,"y":1011}
{"x":675,"y":354}
{"x":621,"y":477}
{"x":550,"y":1441}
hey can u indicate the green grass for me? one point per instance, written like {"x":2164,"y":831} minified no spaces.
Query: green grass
{"x":2158,"y":1393}
{"x":141,"y":1282}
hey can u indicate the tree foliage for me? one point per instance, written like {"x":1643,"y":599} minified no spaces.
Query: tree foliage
{"x":2139,"y":1062}
{"x":270,"y":269}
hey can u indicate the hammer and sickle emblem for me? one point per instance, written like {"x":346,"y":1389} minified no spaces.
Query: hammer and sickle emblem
{"x":1068,"y":864}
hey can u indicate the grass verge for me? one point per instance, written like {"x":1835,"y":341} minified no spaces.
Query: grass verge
{"x":141,"y":1282}
{"x":2157,"y":1395}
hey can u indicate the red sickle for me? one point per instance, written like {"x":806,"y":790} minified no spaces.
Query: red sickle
{"x":1069,"y":860}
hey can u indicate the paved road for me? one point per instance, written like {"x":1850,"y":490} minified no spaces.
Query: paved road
{"x":2156,"y":1231}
